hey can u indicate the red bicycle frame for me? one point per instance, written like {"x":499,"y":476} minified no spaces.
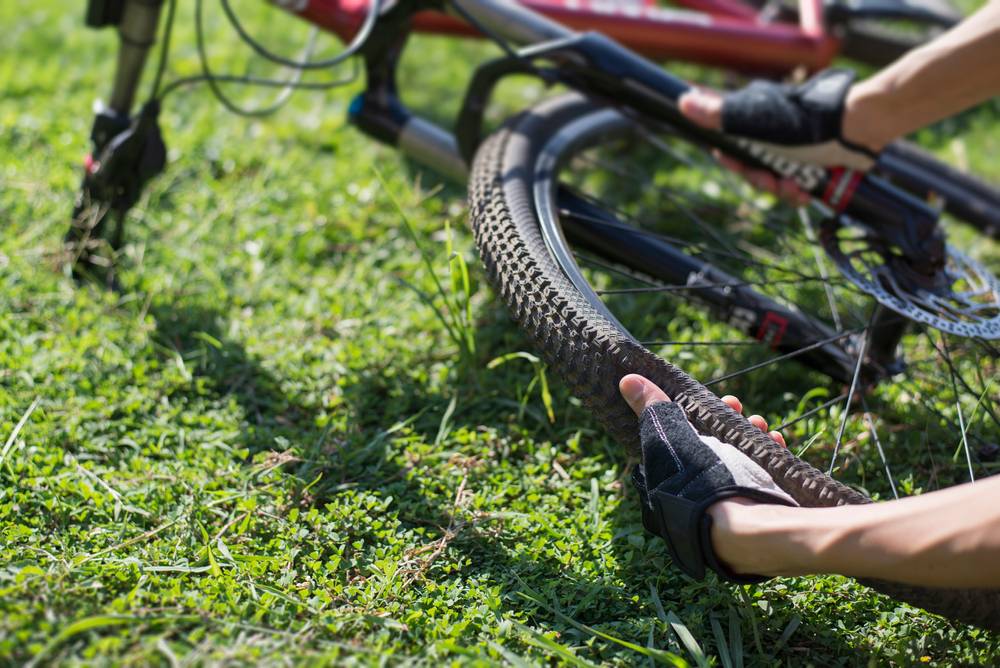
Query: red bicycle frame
{"x":721,"y":32}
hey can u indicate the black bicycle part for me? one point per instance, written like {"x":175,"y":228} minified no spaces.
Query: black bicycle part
{"x":126,"y":151}
{"x":469,"y":123}
{"x":137,"y":29}
{"x":867,"y":32}
{"x":883,"y":350}
{"x":377,"y":111}
{"x":927,"y":12}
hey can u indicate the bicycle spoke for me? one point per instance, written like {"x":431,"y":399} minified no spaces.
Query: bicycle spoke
{"x":707,"y":229}
{"x":735,"y":183}
{"x":917,"y":394}
{"x":878,"y":445}
{"x":850,"y":397}
{"x":608,"y":267}
{"x":958,"y":406}
{"x":810,"y":412}
{"x":989,"y":347}
{"x":685,"y":244}
{"x":650,"y":344}
{"x":700,"y":286}
{"x":781,"y":358}
{"x":821,"y":266}
{"x":675,"y":199}
{"x":955,"y":375}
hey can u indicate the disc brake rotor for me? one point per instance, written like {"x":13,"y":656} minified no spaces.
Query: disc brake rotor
{"x":963,"y":298}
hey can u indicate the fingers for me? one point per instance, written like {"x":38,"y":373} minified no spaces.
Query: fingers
{"x":790,"y":191}
{"x":703,"y":106}
{"x":639,"y":392}
{"x":733,"y":403}
{"x":755,"y":420}
{"x":758,"y":422}
{"x":786,"y":189}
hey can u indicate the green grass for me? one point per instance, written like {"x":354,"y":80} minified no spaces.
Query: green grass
{"x":279,"y":442}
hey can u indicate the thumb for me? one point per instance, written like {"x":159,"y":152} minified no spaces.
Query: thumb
{"x":703,"y":106}
{"x":639,"y":392}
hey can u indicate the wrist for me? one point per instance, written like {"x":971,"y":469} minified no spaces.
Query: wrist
{"x":766,"y":539}
{"x":866,"y":121}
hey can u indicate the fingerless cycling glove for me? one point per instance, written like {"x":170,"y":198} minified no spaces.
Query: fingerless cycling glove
{"x":802,"y":122}
{"x":681,"y":474}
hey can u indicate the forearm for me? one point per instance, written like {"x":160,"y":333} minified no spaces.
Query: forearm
{"x":948,"y":538}
{"x":950,"y":74}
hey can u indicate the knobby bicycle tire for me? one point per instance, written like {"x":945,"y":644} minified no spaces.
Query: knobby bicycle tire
{"x":590,"y":353}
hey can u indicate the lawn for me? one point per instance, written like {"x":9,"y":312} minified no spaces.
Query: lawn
{"x":268,"y":448}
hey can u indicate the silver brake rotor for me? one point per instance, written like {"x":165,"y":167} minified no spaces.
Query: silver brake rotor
{"x":969,"y":305}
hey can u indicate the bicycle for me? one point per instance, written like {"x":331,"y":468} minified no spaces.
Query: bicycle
{"x":531,"y":204}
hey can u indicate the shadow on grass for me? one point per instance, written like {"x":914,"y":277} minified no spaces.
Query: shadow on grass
{"x":361,"y":460}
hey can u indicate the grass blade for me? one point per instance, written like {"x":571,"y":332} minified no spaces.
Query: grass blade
{"x":690,"y":644}
{"x":17,"y":430}
{"x":78,"y":627}
{"x":720,"y":642}
{"x":535,"y":638}
{"x":752,"y":615}
{"x":510,"y":657}
{"x":658,"y":655}
{"x":445,"y":425}
{"x":790,"y":628}
{"x":735,"y":638}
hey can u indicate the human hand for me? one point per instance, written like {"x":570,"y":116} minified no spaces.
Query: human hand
{"x":641,"y":393}
{"x":804,"y":126}
{"x":682,"y":474}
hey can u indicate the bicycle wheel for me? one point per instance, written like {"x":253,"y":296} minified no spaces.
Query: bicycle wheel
{"x":556,"y":218}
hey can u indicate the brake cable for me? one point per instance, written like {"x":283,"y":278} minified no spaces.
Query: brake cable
{"x":280,"y":100}
{"x":288,"y":85}
{"x":374,"y":9}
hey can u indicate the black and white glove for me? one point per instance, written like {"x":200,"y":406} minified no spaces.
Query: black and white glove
{"x":802,"y":122}
{"x":681,"y":474}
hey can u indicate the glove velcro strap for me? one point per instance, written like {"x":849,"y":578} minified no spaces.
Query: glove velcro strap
{"x":677,"y":521}
{"x":687,"y":530}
